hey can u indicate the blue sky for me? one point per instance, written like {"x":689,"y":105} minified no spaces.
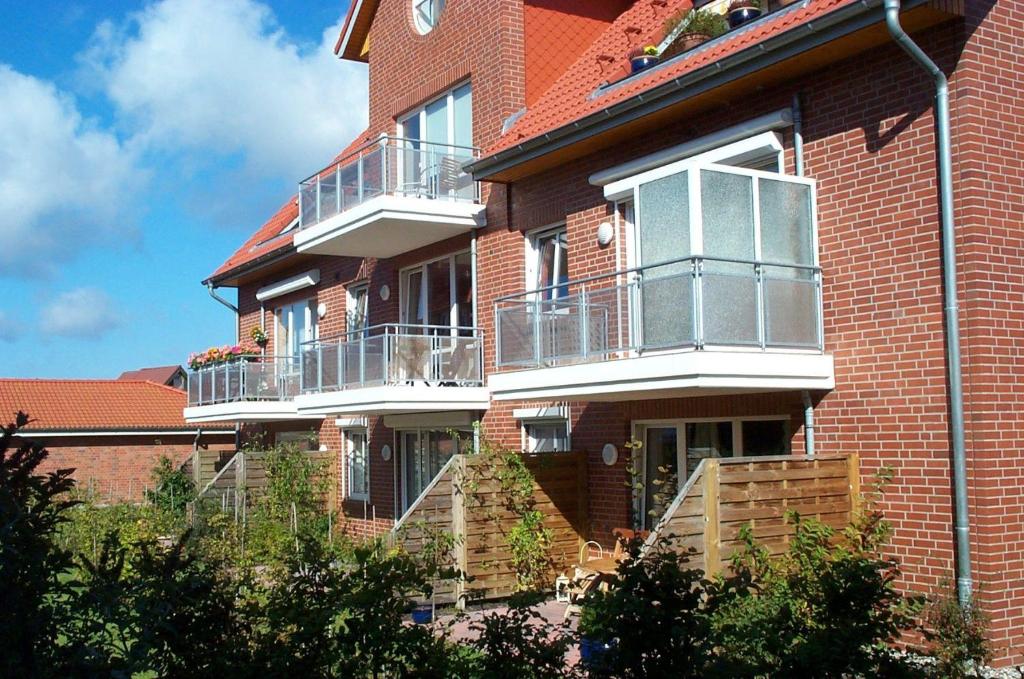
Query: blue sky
{"x":140,"y":144}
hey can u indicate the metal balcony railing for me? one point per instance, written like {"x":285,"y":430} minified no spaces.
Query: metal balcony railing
{"x":388,"y":166}
{"x":393,"y":354}
{"x":250,"y":378}
{"x":691,"y":302}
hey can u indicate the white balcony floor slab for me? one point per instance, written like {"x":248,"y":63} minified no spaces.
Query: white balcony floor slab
{"x":669,"y":375}
{"x":245,"y":411}
{"x":386,"y":226}
{"x":393,"y":400}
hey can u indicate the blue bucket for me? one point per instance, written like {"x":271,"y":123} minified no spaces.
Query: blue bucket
{"x":423,"y":615}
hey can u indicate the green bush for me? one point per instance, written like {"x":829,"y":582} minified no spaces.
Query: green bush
{"x":956,"y":636}
{"x":173,"y":488}
{"x":519,"y":644}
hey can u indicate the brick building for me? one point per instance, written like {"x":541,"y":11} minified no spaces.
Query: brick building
{"x":111,"y":432}
{"x":706,"y":256}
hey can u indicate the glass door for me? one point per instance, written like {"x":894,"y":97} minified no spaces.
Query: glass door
{"x":424,"y":453}
{"x":660,"y":473}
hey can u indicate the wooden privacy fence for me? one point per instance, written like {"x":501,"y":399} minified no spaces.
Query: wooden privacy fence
{"x":466,"y":501}
{"x":725,"y":494}
{"x":245,"y":474}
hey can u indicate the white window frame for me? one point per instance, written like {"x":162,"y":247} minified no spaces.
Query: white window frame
{"x":638,"y":430}
{"x":533,"y":252}
{"x":403,"y":290}
{"x":351,"y":304}
{"x":530,"y":442}
{"x":312,"y":324}
{"x":349,"y":493}
{"x":421,"y":113}
{"x":426,"y":21}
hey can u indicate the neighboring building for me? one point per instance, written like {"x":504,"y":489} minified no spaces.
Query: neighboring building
{"x":639,"y":257}
{"x":173,"y":376}
{"x":111,"y":432}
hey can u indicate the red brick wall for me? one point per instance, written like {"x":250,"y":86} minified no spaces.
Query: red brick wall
{"x":121,"y":467}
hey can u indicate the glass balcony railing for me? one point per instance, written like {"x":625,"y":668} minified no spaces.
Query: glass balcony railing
{"x":388,"y":166}
{"x":693,"y":302}
{"x":393,"y":355}
{"x":251,"y":378}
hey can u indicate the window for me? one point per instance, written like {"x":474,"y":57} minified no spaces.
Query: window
{"x":673,"y":449}
{"x":546,"y":436}
{"x":439,"y":293}
{"x":438,"y":140}
{"x":424,"y":454}
{"x":356,"y":308}
{"x":425,"y":14}
{"x":294,"y":324}
{"x":300,"y":440}
{"x":547,"y":262}
{"x":357,"y":464}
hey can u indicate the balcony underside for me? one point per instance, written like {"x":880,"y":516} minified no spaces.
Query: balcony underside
{"x":694,"y":373}
{"x":394,"y":400}
{"x":245,"y":411}
{"x":387,"y":226}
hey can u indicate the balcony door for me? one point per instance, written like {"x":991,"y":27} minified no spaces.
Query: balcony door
{"x":424,"y":453}
{"x":672,"y":451}
{"x":437,"y":296}
{"x":436,"y":141}
{"x":294,"y":324}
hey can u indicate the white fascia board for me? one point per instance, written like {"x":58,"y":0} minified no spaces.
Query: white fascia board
{"x":298,"y":282}
{"x":549,"y":413}
{"x":245,"y":411}
{"x":350,"y":28}
{"x":693,"y":373}
{"x":612,"y":177}
{"x":29,"y":434}
{"x":461,"y":215}
{"x":355,"y":422}
{"x":394,"y":400}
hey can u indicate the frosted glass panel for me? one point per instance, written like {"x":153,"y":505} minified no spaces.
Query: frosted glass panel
{"x":786,"y":223}
{"x":667,"y":311}
{"x":663,"y":216}
{"x":791,"y":312}
{"x":664,"y":226}
{"x":730,"y":309}
{"x":727,"y":208}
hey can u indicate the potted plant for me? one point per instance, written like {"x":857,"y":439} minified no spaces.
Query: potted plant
{"x":742,"y":11}
{"x":692,"y":27}
{"x":643,"y":57}
{"x":259,"y":336}
{"x":422,"y":613}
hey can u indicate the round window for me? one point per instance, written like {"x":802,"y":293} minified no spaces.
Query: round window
{"x":425,"y":14}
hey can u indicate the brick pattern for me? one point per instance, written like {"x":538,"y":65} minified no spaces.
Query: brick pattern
{"x":117,"y":468}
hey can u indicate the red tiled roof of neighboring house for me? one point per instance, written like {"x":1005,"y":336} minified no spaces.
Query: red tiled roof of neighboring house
{"x":94,"y":405}
{"x":268,"y":239}
{"x":576,"y":94}
{"x":160,"y":375}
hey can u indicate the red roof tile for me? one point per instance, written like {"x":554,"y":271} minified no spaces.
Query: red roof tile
{"x":160,"y":375}
{"x":94,"y":404}
{"x":268,"y":239}
{"x":575,"y":94}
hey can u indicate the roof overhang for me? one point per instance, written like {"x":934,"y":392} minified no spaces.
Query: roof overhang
{"x":848,"y":31}
{"x":354,"y":42}
{"x":30,"y":434}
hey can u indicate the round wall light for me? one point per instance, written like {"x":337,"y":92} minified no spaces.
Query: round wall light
{"x":610,"y":454}
{"x":385,"y":292}
{"x":385,"y":452}
{"x":321,"y":310}
{"x":605,"y":233}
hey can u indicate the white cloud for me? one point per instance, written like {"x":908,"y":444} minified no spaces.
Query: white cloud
{"x":82,"y":312}
{"x":62,"y":181}
{"x":222,"y":77}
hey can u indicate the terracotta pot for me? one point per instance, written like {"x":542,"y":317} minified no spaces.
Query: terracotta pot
{"x":687,"y":41}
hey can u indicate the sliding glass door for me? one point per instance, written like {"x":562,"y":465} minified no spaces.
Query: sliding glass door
{"x":424,"y":453}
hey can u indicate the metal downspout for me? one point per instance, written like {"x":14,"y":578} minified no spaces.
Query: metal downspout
{"x":213,"y":293}
{"x":964,"y":581}
{"x":798,"y":162}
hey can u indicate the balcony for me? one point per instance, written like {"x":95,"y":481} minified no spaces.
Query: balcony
{"x":393,"y":369}
{"x":391,"y":196}
{"x":250,"y":389}
{"x":687,"y":327}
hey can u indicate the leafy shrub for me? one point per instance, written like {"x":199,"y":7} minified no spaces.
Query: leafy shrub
{"x":173,"y":488}
{"x":956,"y":637}
{"x":32,"y":508}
